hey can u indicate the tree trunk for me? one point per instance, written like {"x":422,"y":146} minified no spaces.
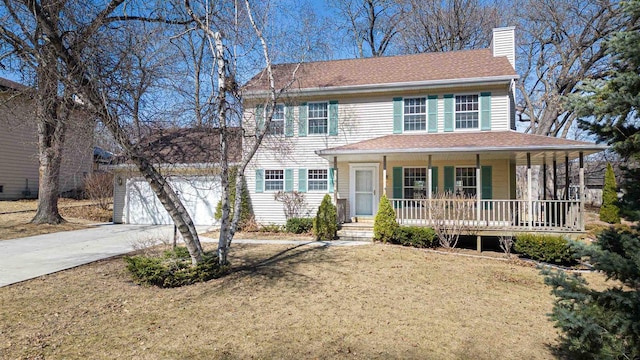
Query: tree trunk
{"x":51,"y":123}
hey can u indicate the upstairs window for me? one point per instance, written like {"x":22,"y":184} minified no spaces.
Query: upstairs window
{"x":467,"y":111}
{"x":415,"y":114}
{"x":273,"y":180}
{"x":318,"y":118}
{"x":317,"y":180}
{"x":276,"y":127}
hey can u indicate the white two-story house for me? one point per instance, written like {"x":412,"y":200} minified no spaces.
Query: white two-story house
{"x":412,"y":127}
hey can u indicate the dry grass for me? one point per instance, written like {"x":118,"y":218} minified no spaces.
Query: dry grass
{"x":288,"y":302}
{"x":15,"y":217}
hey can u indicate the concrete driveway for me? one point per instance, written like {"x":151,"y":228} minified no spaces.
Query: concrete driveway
{"x":30,"y":257}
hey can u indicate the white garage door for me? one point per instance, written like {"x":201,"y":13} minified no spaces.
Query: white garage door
{"x":200,"y":195}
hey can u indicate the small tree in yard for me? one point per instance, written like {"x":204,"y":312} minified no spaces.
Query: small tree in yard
{"x":450,"y":216}
{"x":506,"y":243}
{"x":246,"y":208}
{"x":294,"y":204}
{"x":609,"y":212}
{"x":385,"y":225}
{"x":325,"y":224}
{"x":601,"y":324}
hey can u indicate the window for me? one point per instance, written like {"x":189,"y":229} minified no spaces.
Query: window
{"x":317,"y":180}
{"x":276,"y":127}
{"x":415,"y":183}
{"x":467,"y":112}
{"x":274,"y":180}
{"x":466,"y":181}
{"x":318,"y":117}
{"x":415,"y":114}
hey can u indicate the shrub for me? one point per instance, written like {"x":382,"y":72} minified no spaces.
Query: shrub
{"x":294,"y":204}
{"x":299,"y":225}
{"x":325,"y":224}
{"x":246,"y":208}
{"x":416,"y":236}
{"x":547,"y":248}
{"x":271,"y":228}
{"x":98,"y":187}
{"x":609,"y":211}
{"x":173,"y":268}
{"x":385,"y":224}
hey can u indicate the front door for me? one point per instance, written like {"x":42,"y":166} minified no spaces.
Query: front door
{"x":364,"y":190}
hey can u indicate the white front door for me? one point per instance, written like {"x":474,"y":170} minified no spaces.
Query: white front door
{"x":364,"y":193}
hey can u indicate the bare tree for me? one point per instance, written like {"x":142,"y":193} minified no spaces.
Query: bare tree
{"x":371,"y":24}
{"x":561,"y":45}
{"x":434,"y":25}
{"x":451,"y":216}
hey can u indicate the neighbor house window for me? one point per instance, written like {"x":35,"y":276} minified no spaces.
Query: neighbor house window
{"x":318,"y":117}
{"x":415,"y":114}
{"x":276,"y":127}
{"x":467,"y":113}
{"x":317,"y":180}
{"x":466,"y":181}
{"x":415,"y":183}
{"x":274,"y":180}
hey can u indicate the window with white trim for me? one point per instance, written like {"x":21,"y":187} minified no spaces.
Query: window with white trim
{"x":317,"y":180}
{"x":467,"y":111}
{"x":273,"y":180}
{"x":415,"y":183}
{"x":415,"y":114}
{"x":318,"y":118}
{"x":466,"y":181}
{"x":276,"y":127}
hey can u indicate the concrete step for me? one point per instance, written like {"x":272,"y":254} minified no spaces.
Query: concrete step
{"x":355,"y":235}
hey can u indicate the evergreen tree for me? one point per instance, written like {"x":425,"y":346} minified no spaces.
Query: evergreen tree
{"x":611,"y":105}
{"x":601,"y":324}
{"x":385,"y":225}
{"x":325,"y":224}
{"x":246,"y":210}
{"x":609,"y":211}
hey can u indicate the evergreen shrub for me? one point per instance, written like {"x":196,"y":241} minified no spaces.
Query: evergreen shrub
{"x":609,"y":211}
{"x":299,"y":225}
{"x":246,"y":208}
{"x":416,"y":236}
{"x":547,"y":248}
{"x":385,"y":225}
{"x":325,"y":224}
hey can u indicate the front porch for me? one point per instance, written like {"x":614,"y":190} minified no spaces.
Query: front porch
{"x":472,"y":216}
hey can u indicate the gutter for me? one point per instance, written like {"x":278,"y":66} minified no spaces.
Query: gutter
{"x":463,"y":150}
{"x":379,"y":88}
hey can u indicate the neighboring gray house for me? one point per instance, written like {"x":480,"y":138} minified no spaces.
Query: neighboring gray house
{"x":19,"y":147}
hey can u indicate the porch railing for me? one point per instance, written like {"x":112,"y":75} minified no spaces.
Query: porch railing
{"x":515,"y":215}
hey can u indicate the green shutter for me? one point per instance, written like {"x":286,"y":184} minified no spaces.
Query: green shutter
{"x":487,"y":186}
{"x":397,"y":115}
{"x":259,"y":117}
{"x":448,"y":113}
{"x":331,"y":179}
{"x":434,"y":179}
{"x":259,"y":180}
{"x":302,"y":119}
{"x":433,"y":113}
{"x":333,"y":117}
{"x":288,"y":121}
{"x":485,"y":108}
{"x":288,"y":180}
{"x":302,"y":180}
{"x":397,"y":182}
{"x":449,"y":179}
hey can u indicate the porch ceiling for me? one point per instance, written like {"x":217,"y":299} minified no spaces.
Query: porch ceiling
{"x":460,"y":146}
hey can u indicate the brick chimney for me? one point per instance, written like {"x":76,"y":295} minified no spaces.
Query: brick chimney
{"x":503,"y":43}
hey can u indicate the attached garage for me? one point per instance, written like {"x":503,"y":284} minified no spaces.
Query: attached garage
{"x":199,"y":195}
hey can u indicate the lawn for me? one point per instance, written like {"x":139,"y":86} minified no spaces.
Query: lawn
{"x":15,"y":217}
{"x":375,"y":301}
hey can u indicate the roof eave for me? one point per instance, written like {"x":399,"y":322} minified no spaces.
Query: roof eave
{"x":379,"y":88}
{"x":586,"y":148}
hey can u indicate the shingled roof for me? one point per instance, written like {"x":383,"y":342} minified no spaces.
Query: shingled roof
{"x":427,"y":67}
{"x":190,"y":146}
{"x":462,"y":142}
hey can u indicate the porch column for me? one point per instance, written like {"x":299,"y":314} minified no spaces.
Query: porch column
{"x":335,"y":180}
{"x":429,"y":178}
{"x":478,"y":201}
{"x":529,"y":190}
{"x":555,"y":178}
{"x":384,"y":175}
{"x":581,"y":224}
{"x":566,"y":177}
{"x":544,"y":178}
